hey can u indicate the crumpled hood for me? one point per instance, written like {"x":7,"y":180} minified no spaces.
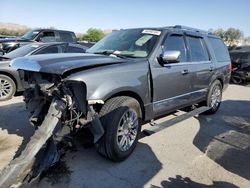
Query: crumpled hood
{"x":61,"y":63}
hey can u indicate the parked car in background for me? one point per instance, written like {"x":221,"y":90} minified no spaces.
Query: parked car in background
{"x":6,"y":36}
{"x":240,"y":58}
{"x":37,"y":35}
{"x":9,"y":78}
{"x":44,"y":48}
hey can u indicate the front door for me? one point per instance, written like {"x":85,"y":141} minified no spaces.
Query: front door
{"x":171,"y":82}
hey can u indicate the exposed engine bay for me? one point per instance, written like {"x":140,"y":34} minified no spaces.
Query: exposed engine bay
{"x":58,"y":109}
{"x":46,"y":87}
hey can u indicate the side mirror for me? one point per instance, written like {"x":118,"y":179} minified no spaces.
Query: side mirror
{"x":171,"y":57}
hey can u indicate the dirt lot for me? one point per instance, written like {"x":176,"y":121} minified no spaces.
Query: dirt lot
{"x":204,"y":151}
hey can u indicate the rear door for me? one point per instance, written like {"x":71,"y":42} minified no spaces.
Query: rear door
{"x":171,"y":82}
{"x":201,"y":66}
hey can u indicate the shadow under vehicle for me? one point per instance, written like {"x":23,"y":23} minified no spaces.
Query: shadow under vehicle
{"x":225,"y":137}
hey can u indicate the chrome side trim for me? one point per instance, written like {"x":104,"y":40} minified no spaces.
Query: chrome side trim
{"x":187,"y":63}
{"x":164,"y":100}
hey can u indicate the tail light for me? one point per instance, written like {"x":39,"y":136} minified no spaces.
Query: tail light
{"x":230,"y":68}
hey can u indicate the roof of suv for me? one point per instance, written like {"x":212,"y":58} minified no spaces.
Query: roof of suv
{"x":185,"y":28}
{"x":180,"y":27}
{"x":52,"y":30}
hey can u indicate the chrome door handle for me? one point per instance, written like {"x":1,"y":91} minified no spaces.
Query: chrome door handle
{"x":185,"y":71}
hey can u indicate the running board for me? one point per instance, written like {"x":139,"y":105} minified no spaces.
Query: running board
{"x":158,"y":127}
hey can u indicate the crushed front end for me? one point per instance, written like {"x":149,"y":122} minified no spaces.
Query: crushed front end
{"x":43,"y":88}
{"x":57,"y":109}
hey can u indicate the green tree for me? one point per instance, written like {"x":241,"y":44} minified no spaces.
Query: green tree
{"x":219,"y":32}
{"x":231,"y":36}
{"x":93,"y":35}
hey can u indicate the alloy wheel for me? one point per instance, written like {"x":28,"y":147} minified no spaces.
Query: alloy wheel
{"x":215,"y":97}
{"x":5,"y":88}
{"x":127,"y":130}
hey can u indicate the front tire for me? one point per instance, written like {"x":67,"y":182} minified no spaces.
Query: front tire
{"x":7,"y":87}
{"x":121,"y":119}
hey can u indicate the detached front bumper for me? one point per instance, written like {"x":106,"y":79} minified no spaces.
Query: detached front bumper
{"x":18,"y":170}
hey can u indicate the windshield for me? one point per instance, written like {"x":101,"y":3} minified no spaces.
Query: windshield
{"x":30,"y":35}
{"x":132,"y":42}
{"x":22,"y":51}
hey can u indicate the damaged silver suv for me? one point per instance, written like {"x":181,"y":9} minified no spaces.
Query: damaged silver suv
{"x":129,"y":77}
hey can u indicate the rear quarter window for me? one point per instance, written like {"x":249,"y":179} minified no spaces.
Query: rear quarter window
{"x":67,"y":37}
{"x":220,"y":49}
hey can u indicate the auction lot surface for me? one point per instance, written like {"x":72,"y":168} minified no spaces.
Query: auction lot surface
{"x":204,"y":151}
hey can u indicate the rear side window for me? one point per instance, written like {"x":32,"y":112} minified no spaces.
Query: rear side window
{"x":220,"y":49}
{"x":49,"y":50}
{"x":197,"y":48}
{"x":72,"y":49}
{"x":67,"y":37}
{"x":176,"y":42}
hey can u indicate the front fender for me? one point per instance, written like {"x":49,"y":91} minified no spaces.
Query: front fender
{"x":6,"y":70}
{"x":104,"y":82}
{"x":108,"y":89}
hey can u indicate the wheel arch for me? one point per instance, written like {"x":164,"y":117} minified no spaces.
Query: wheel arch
{"x":217,"y":77}
{"x":221,"y":81}
{"x":131,"y":94}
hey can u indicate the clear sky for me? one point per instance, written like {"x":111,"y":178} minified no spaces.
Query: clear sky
{"x":79,"y":15}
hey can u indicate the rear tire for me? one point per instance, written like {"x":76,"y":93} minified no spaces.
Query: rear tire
{"x":7,"y":87}
{"x":214,"y":97}
{"x":121,"y":119}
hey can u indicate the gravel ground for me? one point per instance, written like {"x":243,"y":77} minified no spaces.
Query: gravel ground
{"x":203,"y":151}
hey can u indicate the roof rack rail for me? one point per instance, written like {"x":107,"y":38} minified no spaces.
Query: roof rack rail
{"x":191,"y":29}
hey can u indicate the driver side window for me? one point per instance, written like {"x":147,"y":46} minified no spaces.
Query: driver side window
{"x":47,"y":36}
{"x":176,"y":43}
